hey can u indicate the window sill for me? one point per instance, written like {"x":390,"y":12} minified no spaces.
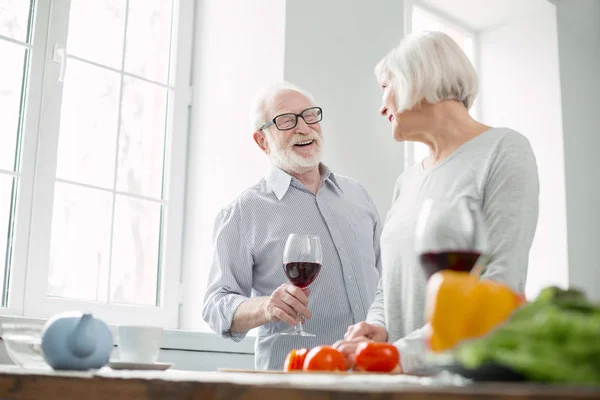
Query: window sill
{"x":173,"y":339}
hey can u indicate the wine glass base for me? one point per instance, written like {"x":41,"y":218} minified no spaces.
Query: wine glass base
{"x":297,"y":333}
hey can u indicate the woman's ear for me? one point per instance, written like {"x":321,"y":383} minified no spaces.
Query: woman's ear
{"x":261,"y":141}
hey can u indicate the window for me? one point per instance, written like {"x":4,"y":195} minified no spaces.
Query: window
{"x":425,"y":20}
{"x":94,"y":98}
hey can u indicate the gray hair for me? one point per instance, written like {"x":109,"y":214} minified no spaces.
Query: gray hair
{"x":429,"y":66}
{"x":258,"y":108}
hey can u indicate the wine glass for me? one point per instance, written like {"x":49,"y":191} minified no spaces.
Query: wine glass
{"x":302,"y":258}
{"x":451,"y":236}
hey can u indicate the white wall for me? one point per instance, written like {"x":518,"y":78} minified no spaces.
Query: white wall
{"x":331,"y":49}
{"x":238,"y":49}
{"x":579,"y":51}
{"x":520,"y":88}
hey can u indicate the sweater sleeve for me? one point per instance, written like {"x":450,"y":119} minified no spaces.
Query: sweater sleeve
{"x":510,"y":210}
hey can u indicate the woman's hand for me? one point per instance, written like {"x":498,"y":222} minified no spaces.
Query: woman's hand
{"x":348,"y":349}
{"x":356,"y":334}
{"x":364,"y":330}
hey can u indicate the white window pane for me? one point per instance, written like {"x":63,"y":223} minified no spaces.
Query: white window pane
{"x":6,"y":190}
{"x":422,"y":21}
{"x":79,"y":252}
{"x":149,"y":39}
{"x":112,"y":134}
{"x":11,"y":82}
{"x":469,"y":49}
{"x":135,"y":253}
{"x":14,"y":19}
{"x":141,"y":144}
{"x":421,"y":152}
{"x":474,"y":111}
{"x":97,"y":31}
{"x":88,"y":125}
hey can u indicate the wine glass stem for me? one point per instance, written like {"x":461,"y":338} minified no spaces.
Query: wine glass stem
{"x":299,"y":322}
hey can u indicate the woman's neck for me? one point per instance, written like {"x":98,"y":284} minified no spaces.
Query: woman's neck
{"x":449,"y":126}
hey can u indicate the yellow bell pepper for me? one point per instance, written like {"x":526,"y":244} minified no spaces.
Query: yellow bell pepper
{"x":460,"y":306}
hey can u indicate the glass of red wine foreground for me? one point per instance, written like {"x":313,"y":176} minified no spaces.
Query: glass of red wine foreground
{"x":450,"y":236}
{"x":302,"y":259}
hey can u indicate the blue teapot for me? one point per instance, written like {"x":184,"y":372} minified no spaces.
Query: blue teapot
{"x":76,"y":341}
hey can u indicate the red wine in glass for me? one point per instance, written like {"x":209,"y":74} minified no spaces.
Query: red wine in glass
{"x":450,"y":235}
{"x":302,"y":258}
{"x":302,"y":274}
{"x":456,"y":260}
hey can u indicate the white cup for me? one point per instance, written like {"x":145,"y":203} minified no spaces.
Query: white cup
{"x":139,"y":344}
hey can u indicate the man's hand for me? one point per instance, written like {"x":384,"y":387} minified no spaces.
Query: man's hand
{"x":364,"y":330}
{"x":285,"y":303}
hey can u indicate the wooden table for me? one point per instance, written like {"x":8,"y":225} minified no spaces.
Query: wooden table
{"x":19,"y":384}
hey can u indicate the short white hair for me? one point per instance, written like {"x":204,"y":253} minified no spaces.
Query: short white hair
{"x":258,"y":108}
{"x":429,"y":66}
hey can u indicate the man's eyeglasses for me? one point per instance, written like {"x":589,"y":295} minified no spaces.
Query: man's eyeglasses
{"x":287,"y":121}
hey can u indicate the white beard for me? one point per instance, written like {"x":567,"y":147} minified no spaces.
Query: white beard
{"x":288,"y":160}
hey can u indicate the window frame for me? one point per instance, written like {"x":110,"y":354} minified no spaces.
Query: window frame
{"x":30,"y":260}
{"x":30,"y":134}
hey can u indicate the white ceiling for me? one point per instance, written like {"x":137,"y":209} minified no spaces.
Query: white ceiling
{"x":485,"y":14}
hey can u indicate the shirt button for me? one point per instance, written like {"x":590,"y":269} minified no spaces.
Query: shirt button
{"x":356,"y":306}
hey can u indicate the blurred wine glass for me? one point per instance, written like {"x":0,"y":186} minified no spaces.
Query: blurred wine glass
{"x":451,"y":236}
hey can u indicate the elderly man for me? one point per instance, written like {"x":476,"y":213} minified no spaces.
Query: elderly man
{"x":247,"y":285}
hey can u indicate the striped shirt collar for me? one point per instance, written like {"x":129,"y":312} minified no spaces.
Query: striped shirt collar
{"x":279,"y":181}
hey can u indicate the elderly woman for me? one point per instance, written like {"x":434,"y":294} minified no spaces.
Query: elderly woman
{"x":428,"y":87}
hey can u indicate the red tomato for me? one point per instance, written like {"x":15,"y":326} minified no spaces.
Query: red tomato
{"x":295,"y":360}
{"x":377,"y":357}
{"x":324,"y":358}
